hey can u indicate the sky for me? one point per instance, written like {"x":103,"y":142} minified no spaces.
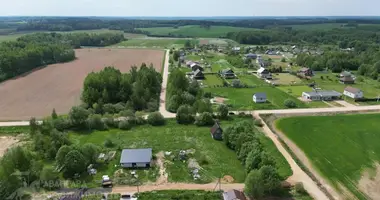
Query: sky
{"x":189,"y":7}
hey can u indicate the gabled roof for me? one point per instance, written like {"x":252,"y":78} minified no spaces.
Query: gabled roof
{"x":345,"y":73}
{"x":304,"y":69}
{"x":215,"y":127}
{"x":347,"y":79}
{"x":198,"y":73}
{"x":227,"y":71}
{"x":260,"y":95}
{"x":251,"y":55}
{"x":261,"y":70}
{"x":352,"y":89}
{"x":136,"y":155}
{"x":324,"y":93}
{"x":233,"y":195}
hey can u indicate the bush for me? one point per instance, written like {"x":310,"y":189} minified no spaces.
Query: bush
{"x":109,"y":108}
{"x":113,"y":196}
{"x":299,"y":188}
{"x":290,"y":103}
{"x":152,"y":106}
{"x":127,"y":113}
{"x":204,"y":119}
{"x":125,"y":125}
{"x":110,"y":122}
{"x":236,"y":83}
{"x":156,"y":119}
{"x":258,"y":123}
{"x":62,"y":124}
{"x":223,"y":111}
{"x":109,"y":143}
{"x":95,"y":122}
{"x":207,"y":95}
{"x":203,"y":160}
{"x":185,"y":115}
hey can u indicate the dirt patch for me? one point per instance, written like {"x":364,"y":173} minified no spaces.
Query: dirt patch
{"x":227,"y":179}
{"x":6,"y":142}
{"x":59,"y":86}
{"x":203,"y":42}
{"x":163,"y":178}
{"x":370,"y":181}
{"x":218,"y":100}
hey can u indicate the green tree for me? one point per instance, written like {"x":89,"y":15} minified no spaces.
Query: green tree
{"x":61,"y":154}
{"x":289,"y":103}
{"x":78,"y":116}
{"x":223,"y":111}
{"x":253,"y":160}
{"x":188,"y":44}
{"x":156,"y":119}
{"x":204,"y":119}
{"x":184,"y":115}
{"x":90,"y":152}
{"x":283,"y":59}
{"x":176,"y":55}
{"x":54,"y":114}
{"x":49,"y":178}
{"x":254,"y":185}
{"x":74,"y":163}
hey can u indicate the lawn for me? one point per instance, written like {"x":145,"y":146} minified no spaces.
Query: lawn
{"x":341,"y":147}
{"x":153,"y":43}
{"x":241,"y":98}
{"x":285,"y":79}
{"x":173,"y":137}
{"x":180,"y":195}
{"x":252,"y":80}
{"x":195,"y":31}
{"x":212,"y":80}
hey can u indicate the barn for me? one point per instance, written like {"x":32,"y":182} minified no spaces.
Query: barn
{"x":133,"y":158}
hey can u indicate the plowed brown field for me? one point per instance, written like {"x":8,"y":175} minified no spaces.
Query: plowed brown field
{"x":59,"y":86}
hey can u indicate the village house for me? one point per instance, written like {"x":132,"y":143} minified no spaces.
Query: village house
{"x":216,"y":131}
{"x":259,"y":97}
{"x":354,"y":93}
{"x":234,"y":195}
{"x":346,"y":78}
{"x":305,"y":71}
{"x":228,"y":73}
{"x":132,"y":158}
{"x":198,"y":74}
{"x":195,"y":66}
{"x":236,"y":49}
{"x":322,"y":95}
{"x":264,"y":73}
{"x":251,"y":56}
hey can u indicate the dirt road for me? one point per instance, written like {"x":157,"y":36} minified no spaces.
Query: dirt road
{"x":177,"y":186}
{"x":165,"y":77}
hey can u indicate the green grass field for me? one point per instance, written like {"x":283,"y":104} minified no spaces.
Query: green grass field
{"x":173,"y":137}
{"x":212,"y":80}
{"x":252,"y":80}
{"x":241,"y":99}
{"x":195,"y":31}
{"x":180,"y":195}
{"x":340,"y":147}
{"x":286,"y":79}
{"x":154,"y":43}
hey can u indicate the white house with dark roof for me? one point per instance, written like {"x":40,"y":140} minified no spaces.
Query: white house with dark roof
{"x":259,"y":97}
{"x":131,"y":158}
{"x":352,"y":92}
{"x":264,"y":73}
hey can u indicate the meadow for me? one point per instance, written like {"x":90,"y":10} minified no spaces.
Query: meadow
{"x":241,"y":98}
{"x":341,"y":147}
{"x":212,"y":80}
{"x":195,"y":31}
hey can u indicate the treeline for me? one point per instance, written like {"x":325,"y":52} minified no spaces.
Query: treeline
{"x":366,"y":62}
{"x":83,"y":23}
{"x":41,"y":49}
{"x":284,"y":36}
{"x":139,"y":89}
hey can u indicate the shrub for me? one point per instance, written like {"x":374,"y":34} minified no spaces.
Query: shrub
{"x":62,"y":124}
{"x":109,"y":143}
{"x":95,"y":122}
{"x":127,"y":113}
{"x":290,"y":103}
{"x":156,"y":119}
{"x":207,"y":95}
{"x":203,"y":160}
{"x":223,"y":111}
{"x":152,"y":106}
{"x":119,"y":107}
{"x":204,"y":119}
{"x":110,"y":122}
{"x":109,"y":108}
{"x":184,"y":115}
{"x":299,"y":188}
{"x":258,"y":123}
{"x":125,"y":125}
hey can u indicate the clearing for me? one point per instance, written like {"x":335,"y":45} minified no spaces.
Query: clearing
{"x":59,"y":86}
{"x":343,"y":148}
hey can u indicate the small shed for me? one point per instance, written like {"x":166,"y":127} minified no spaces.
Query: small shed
{"x":347,"y":80}
{"x":234,"y":195}
{"x":259,"y":97}
{"x":131,"y":158}
{"x":216,"y":131}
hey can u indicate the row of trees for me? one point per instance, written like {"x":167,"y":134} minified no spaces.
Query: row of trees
{"x":263,"y":178}
{"x":41,"y":49}
{"x":139,"y":89}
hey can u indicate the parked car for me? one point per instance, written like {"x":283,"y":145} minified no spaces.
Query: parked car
{"x":128,"y":197}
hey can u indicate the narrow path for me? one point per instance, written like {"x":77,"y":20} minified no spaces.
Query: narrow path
{"x":345,"y":103}
{"x":177,"y":186}
{"x":165,"y":77}
{"x":163,"y":178}
{"x":298,"y":174}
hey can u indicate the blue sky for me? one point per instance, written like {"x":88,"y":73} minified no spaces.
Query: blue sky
{"x":190,"y":7}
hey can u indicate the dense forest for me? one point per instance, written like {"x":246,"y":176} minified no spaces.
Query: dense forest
{"x":41,"y":49}
{"x":83,"y":23}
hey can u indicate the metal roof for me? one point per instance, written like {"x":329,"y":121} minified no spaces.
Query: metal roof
{"x":352,"y":89}
{"x":260,"y":95}
{"x":261,"y":70}
{"x":136,"y":155}
{"x":330,"y":93}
